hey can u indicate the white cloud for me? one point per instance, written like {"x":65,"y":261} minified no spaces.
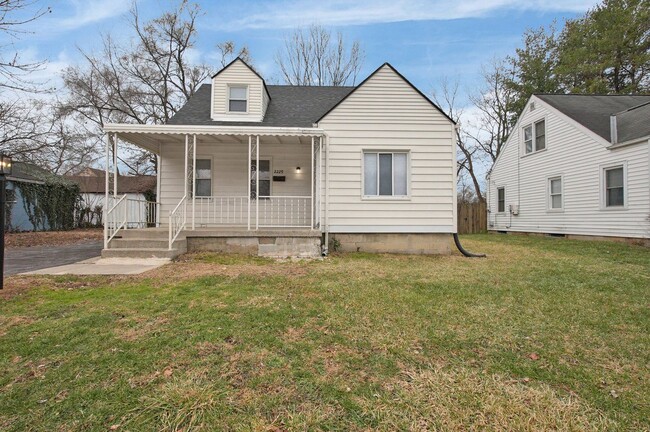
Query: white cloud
{"x":84,"y":12}
{"x":292,"y":13}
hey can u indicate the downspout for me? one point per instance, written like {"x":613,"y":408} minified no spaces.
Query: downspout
{"x":460,"y":247}
{"x":327,"y":194}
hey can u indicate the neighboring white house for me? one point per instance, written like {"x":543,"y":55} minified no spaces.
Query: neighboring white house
{"x":373,"y":166}
{"x":141,"y":212}
{"x":575,"y":165}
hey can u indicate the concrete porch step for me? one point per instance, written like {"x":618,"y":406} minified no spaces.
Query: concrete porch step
{"x":139,"y":243}
{"x":147,"y":233}
{"x":141,"y":253}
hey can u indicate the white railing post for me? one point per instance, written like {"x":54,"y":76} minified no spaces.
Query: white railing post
{"x":248,"y":177}
{"x":311,"y":175}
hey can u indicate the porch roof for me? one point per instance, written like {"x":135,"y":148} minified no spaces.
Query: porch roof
{"x":149,"y":136}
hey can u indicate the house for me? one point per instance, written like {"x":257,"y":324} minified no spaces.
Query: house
{"x":575,"y":166}
{"x":27,"y":208}
{"x":282,"y":170}
{"x":139,"y":190}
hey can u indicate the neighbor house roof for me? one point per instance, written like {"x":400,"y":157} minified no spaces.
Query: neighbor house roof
{"x":125,"y":184}
{"x":27,"y":172}
{"x":290,"y":106}
{"x":594,"y":111}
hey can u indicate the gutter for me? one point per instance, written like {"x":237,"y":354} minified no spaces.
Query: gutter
{"x":210,"y":130}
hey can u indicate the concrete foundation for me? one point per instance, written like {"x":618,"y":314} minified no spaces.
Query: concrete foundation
{"x":402,"y":243}
{"x":628,"y":240}
{"x":266,"y":245}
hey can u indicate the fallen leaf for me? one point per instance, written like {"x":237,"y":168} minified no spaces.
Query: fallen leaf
{"x":533,"y":356}
{"x":114,"y":427}
{"x":168,"y":372}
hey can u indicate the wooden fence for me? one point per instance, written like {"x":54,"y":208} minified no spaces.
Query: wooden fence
{"x":472,"y":218}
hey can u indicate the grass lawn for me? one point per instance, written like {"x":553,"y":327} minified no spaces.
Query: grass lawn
{"x":544,"y":334}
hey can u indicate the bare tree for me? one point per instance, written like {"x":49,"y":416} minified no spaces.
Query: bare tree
{"x":229,"y":52}
{"x":146,"y":81}
{"x":14,"y":72}
{"x":313,"y":57}
{"x":495,"y":102}
{"x":468,"y":153}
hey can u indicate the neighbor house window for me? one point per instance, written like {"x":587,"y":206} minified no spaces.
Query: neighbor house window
{"x":203,"y":177}
{"x":614,"y":186}
{"x":501,"y":200}
{"x":238,"y":98}
{"x":555,"y":193}
{"x":385,"y":174}
{"x":535,"y":137}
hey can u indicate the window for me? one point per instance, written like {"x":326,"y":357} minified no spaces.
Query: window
{"x":535,"y":137}
{"x":203,"y":177}
{"x":264,"y":180}
{"x":555,"y":193}
{"x":501,"y":200}
{"x":615,"y":187}
{"x":385,"y":174}
{"x":238,"y":99}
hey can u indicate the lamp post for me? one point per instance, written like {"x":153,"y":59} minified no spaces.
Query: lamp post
{"x":5,"y":170}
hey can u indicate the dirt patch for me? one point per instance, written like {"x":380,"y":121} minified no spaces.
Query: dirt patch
{"x":132,"y":329}
{"x":52,"y":238}
{"x":18,"y":285}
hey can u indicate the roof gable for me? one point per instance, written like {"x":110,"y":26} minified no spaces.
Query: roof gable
{"x":240,"y":60}
{"x":388,"y":65}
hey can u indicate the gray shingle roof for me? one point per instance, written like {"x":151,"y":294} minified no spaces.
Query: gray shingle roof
{"x":633,"y":123}
{"x":594,"y":111}
{"x":290,"y":106}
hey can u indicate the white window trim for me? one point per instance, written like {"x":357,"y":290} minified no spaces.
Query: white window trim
{"x":603,"y":184}
{"x":534,"y":137}
{"x":248,"y":99}
{"x":406,"y":197}
{"x":505,"y":200}
{"x":549,"y":198}
{"x":212,"y":176}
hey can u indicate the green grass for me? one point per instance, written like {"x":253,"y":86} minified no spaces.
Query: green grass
{"x":544,"y":334}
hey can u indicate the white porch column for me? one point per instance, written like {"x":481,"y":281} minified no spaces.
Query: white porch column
{"x":158,"y":177}
{"x":257,"y":182}
{"x":193,"y":181}
{"x":187,"y":143}
{"x":311,"y":174}
{"x":115,"y":164}
{"x":248,"y":180}
{"x":107,"y":187}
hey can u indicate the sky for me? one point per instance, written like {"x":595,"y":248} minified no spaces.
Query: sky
{"x":426,"y":40}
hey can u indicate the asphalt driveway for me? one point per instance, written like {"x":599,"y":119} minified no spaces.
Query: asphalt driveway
{"x":21,"y":260}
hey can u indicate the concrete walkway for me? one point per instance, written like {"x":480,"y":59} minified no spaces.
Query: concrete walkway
{"x":105,"y":266}
{"x":21,"y":260}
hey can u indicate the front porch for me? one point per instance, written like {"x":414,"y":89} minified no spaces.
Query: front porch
{"x":219,"y":183}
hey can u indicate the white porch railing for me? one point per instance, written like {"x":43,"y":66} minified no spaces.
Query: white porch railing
{"x":177,"y":220}
{"x":285,"y":211}
{"x":220,"y":210}
{"x":115,"y":217}
{"x":141,"y":213}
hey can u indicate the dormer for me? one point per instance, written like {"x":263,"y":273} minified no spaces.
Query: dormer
{"x":238,"y":94}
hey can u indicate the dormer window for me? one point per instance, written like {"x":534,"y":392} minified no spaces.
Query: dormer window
{"x":238,"y":98}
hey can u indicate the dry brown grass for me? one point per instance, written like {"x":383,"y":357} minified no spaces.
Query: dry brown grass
{"x":52,"y":238}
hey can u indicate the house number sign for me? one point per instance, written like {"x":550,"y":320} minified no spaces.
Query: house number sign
{"x":278,"y":171}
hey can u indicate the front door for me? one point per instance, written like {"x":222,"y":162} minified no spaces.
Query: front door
{"x":264,"y":180}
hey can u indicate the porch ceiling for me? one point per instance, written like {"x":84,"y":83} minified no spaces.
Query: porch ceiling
{"x":149,"y":137}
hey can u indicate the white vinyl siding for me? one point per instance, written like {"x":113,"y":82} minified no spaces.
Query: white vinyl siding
{"x":581,"y":159}
{"x":238,"y":76}
{"x":386,"y":115}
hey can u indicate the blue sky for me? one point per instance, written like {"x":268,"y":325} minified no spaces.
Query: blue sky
{"x":424,"y":39}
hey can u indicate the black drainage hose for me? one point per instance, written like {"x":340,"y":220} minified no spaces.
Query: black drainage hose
{"x":465,"y":252}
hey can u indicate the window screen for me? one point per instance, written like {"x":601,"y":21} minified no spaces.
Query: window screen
{"x":237,"y":101}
